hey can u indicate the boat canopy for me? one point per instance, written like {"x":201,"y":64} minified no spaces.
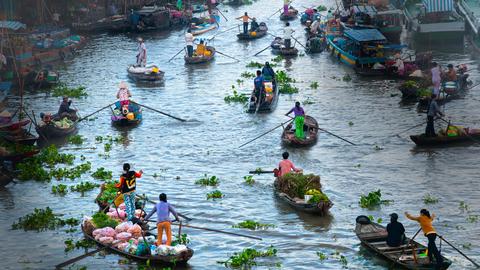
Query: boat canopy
{"x":370,"y":10}
{"x":438,"y":5}
{"x":365,"y":35}
{"x":12,"y":25}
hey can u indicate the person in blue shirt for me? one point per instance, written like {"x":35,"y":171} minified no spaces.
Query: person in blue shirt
{"x":267,"y":72}
{"x":259,"y":86}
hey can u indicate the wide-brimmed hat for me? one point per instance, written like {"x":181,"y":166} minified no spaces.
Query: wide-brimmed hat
{"x":123,"y":85}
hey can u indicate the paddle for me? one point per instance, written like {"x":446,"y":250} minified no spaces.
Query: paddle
{"x":261,"y":51}
{"x":299,"y":43}
{"x":477,"y":265}
{"x":61,"y":265}
{"x":214,"y":230}
{"x":176,"y":54}
{"x":265,"y":133}
{"x":259,"y":172}
{"x":152,"y":202}
{"x":83,"y":118}
{"x":274,"y":13}
{"x":219,"y":33}
{"x":328,"y":132}
{"x":160,"y":112}
{"x":221,"y":13}
{"x":228,"y":56}
{"x":421,"y":124}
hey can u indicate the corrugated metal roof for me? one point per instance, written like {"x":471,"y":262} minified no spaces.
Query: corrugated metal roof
{"x":438,"y":5}
{"x":12,"y":25}
{"x":364,"y":35}
{"x":365,"y":9}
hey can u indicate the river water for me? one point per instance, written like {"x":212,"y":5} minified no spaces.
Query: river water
{"x":208,"y":144}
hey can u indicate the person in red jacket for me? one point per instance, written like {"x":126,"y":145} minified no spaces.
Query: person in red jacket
{"x":127,"y":186}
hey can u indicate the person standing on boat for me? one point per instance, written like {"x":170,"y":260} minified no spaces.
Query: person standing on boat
{"x":299,"y":120}
{"x":425,"y":220}
{"x":436,"y":78}
{"x":396,"y":231}
{"x":259,"y":89}
{"x":287,"y":35}
{"x":451,"y":74}
{"x":245,"y":19}
{"x":268,"y":73}
{"x":123,"y":94}
{"x":142,"y":53}
{"x":315,"y":27}
{"x":189,"y":41}
{"x":432,"y":111}
{"x":286,"y":4}
{"x":64,"y":109}
{"x":127,"y":186}
{"x":163,"y":210}
{"x":286,"y":166}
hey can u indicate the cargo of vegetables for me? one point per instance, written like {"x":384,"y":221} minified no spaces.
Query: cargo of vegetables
{"x":296,"y":185}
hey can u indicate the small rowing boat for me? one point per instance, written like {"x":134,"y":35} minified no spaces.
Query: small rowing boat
{"x":268,"y":103}
{"x":130,"y":117}
{"x":203,"y":28}
{"x":198,"y":59}
{"x":58,"y":128}
{"x":150,"y":73}
{"x":260,"y":32}
{"x":21,"y":136}
{"x":310,"y":128}
{"x":278,"y":47}
{"x":410,"y":255}
{"x":290,"y":15}
{"x":455,"y":134}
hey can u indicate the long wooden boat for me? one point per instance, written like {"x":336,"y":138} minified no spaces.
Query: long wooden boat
{"x":181,"y":258}
{"x":23,"y":137}
{"x":310,"y":127}
{"x":199,"y":59}
{"x":321,"y":208}
{"x":270,"y":101}
{"x":473,"y":136}
{"x":373,"y":236}
{"x":150,"y":73}
{"x":120,"y":120}
{"x":291,"y":15}
{"x":260,"y":32}
{"x":203,"y":28}
{"x":51,"y":130}
{"x":278,"y":48}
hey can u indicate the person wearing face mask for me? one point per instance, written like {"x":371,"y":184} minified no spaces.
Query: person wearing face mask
{"x":127,"y":186}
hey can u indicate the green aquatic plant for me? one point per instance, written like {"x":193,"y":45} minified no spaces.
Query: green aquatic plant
{"x":84,"y":187}
{"x":71,"y":173}
{"x":60,"y":189}
{"x":247,"y":75}
{"x":473,"y":218}
{"x":102,"y":174}
{"x":314,"y":85}
{"x":253,"y":225}
{"x":246,"y":258}
{"x":287,"y":88}
{"x":321,"y":8}
{"x":207,"y":181}
{"x":249,"y":179}
{"x":76,"y":139}
{"x":322,"y":256}
{"x":182,"y":240}
{"x":281,"y":76}
{"x":236,"y":97}
{"x":39,"y":220}
{"x":254,"y":64}
{"x":346,"y":78}
{"x":463,"y":206}
{"x":372,"y":199}
{"x":277,"y":59}
{"x":73,"y":92}
{"x":216,"y":194}
{"x":430,"y":199}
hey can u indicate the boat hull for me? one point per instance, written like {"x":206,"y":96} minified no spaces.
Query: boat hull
{"x":200,"y":59}
{"x":310,"y":129}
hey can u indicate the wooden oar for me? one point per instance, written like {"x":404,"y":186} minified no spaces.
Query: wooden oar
{"x":274,"y":13}
{"x":176,"y":54}
{"x":259,"y":172}
{"x":472,"y":261}
{"x":221,"y":13}
{"x":214,"y":230}
{"x":227,"y":55}
{"x":265,"y":133}
{"x":219,"y":33}
{"x":61,"y":265}
{"x":83,"y":118}
{"x":328,"y":132}
{"x":299,"y":43}
{"x":160,"y":112}
{"x":153,"y":202}
{"x":421,"y":124}
{"x":261,"y":51}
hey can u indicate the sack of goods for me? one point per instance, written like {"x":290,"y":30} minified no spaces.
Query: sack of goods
{"x":207,"y":53}
{"x":268,"y":87}
{"x":253,"y":34}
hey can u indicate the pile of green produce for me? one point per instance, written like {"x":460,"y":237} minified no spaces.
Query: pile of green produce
{"x":246,"y":258}
{"x":109,"y":193}
{"x":317,"y":196}
{"x":182,"y":240}
{"x":101,"y":220}
{"x":64,"y":123}
{"x":297,"y":184}
{"x":39,"y":220}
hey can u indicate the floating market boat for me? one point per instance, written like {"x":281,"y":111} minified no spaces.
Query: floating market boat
{"x":434,"y":20}
{"x":132,"y":117}
{"x":450,"y":90}
{"x":198,"y":59}
{"x":150,"y":73}
{"x":278,"y":47}
{"x":18,"y":157}
{"x":260,"y":32}
{"x":309,"y":15}
{"x":21,"y":136}
{"x":310,"y":128}
{"x":149,"y":18}
{"x":291,"y":15}
{"x":58,"y":128}
{"x":114,"y":23}
{"x":410,"y":255}
{"x":298,"y":204}
{"x":270,"y":101}
{"x":454,"y":134}
{"x":203,"y":28}
{"x":316,"y":44}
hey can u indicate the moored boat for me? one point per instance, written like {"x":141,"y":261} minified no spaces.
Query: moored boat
{"x":6,"y":176}
{"x":268,"y":103}
{"x":290,"y":15}
{"x":198,"y":59}
{"x":278,"y":47}
{"x":132,"y":116}
{"x":410,"y":255}
{"x":260,"y":32}
{"x":149,"y":18}
{"x":149,"y":73}
{"x":21,"y":136}
{"x":453,"y":135}
{"x":310,"y":128}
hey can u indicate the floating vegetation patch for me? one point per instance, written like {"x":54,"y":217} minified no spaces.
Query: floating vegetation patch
{"x":60,"y":189}
{"x":372,"y":199}
{"x":430,"y":199}
{"x":287,"y":88}
{"x":83,"y":243}
{"x":76,"y":139}
{"x":253,"y":225}
{"x":102,"y":174}
{"x":314,"y":85}
{"x":321,"y":8}
{"x":216,"y":194}
{"x":249,"y":180}
{"x":278,"y":59}
{"x":182,"y":240}
{"x":207,"y":181}
{"x":346,"y":78}
{"x":71,"y":173}
{"x":247,"y":75}
{"x":39,"y":220}
{"x":74,"y":92}
{"x":246,"y":258}
{"x":254,"y":64}
{"x":236,"y":97}
{"x":84,"y":187}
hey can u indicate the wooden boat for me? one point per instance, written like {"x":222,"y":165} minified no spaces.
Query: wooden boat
{"x":321,"y":208}
{"x":112,"y":24}
{"x":278,"y":48}
{"x":269,"y":102}
{"x":260,"y":32}
{"x":203,"y":28}
{"x":52,"y":130}
{"x":198,"y":59}
{"x":316,"y":44}
{"x":449,"y":91}
{"x":469,"y":136}
{"x":119,"y":119}
{"x":18,"y":157}
{"x":14,"y":125}
{"x":150,"y":18}
{"x":373,"y":236}
{"x":6,"y":176}
{"x":291,"y":15}
{"x":181,"y":258}
{"x":311,"y":133}
{"x":23,"y":136}
{"x":150,"y":73}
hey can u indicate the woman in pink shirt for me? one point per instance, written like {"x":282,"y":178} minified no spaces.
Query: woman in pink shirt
{"x":286,"y":166}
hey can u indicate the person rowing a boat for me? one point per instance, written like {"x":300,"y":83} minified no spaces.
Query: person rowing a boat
{"x":396,"y":231}
{"x":259,"y":89}
{"x":254,"y":25}
{"x":287,"y":35}
{"x":201,"y":48}
{"x":189,"y":42}
{"x":142,"y":53}
{"x":286,"y":166}
{"x":124,"y":95}
{"x":425,"y":220}
{"x":163,"y":210}
{"x":245,"y":19}
{"x":451,"y":74}
{"x":127,"y":186}
{"x":64,"y":109}
{"x":432,"y":111}
{"x":299,"y":114}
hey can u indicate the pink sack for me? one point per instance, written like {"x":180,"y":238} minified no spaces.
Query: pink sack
{"x":123,"y":227}
{"x":124,"y":236}
{"x":122,"y":246}
{"x":122,"y":206}
{"x":136,"y":231}
{"x":106,"y":240}
{"x":138,"y":213}
{"x":120,"y":215}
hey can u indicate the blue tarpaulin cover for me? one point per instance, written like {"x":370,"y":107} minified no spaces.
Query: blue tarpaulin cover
{"x":12,"y":25}
{"x":364,"y":35}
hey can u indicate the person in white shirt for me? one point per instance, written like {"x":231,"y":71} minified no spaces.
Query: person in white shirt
{"x":315,"y":26}
{"x":3,"y":61}
{"x":287,"y":35}
{"x":142,"y":53}
{"x":189,"y":41}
